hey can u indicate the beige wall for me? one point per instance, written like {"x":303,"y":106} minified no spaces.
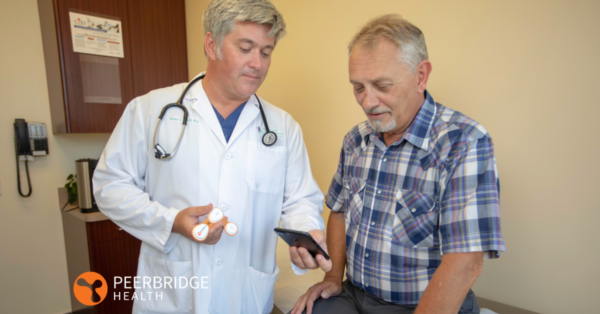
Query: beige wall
{"x":195,"y":36}
{"x":527,"y":70}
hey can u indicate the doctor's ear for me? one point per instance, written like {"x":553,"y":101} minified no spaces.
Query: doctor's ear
{"x":210,"y":47}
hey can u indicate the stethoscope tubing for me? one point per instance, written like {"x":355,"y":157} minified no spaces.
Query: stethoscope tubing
{"x":268,"y":139}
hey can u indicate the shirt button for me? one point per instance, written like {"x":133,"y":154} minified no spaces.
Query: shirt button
{"x":372,"y":223}
{"x":367,"y":255}
{"x":384,"y":159}
{"x":219,"y":262}
{"x":378,"y":191}
{"x":224,"y":208}
{"x":367,"y":285}
{"x":228,"y":156}
{"x":413,"y":210}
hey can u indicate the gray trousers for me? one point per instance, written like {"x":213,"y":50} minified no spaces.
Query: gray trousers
{"x":353,"y":300}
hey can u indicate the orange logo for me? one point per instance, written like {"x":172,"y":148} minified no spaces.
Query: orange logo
{"x":90,"y":288}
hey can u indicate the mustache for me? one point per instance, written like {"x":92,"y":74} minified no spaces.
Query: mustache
{"x":377,"y":110}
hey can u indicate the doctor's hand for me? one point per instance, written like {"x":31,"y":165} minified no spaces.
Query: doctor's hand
{"x":187,"y":219}
{"x":325,"y":289}
{"x":302,"y":258}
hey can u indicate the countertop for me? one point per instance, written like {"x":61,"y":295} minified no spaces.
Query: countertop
{"x":70,"y":209}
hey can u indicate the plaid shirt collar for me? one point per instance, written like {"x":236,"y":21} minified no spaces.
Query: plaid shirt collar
{"x":418,"y":132}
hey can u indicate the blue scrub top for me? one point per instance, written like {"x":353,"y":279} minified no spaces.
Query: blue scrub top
{"x":229,"y":124}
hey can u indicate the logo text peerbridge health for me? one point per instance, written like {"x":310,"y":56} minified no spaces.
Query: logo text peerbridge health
{"x":154,"y":283}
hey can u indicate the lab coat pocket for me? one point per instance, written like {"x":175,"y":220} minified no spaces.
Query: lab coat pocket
{"x":161,"y":297}
{"x":259,"y":291}
{"x":356,"y":195}
{"x":416,"y":219}
{"x":266,"y":167}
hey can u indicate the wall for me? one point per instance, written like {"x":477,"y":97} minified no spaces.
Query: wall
{"x":527,"y":70}
{"x":195,"y":36}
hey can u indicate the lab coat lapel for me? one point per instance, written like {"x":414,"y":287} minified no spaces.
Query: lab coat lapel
{"x":202,"y":105}
{"x":248,"y":115}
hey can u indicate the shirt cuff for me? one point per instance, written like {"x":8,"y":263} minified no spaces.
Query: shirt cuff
{"x":172,"y":237}
{"x":298,"y":271}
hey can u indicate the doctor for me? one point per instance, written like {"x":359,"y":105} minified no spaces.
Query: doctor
{"x":223,"y":160}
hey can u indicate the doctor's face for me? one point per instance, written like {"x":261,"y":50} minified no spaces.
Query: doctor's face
{"x":245,"y":59}
{"x":384,"y":86}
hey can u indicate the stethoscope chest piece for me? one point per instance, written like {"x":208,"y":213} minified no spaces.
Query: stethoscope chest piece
{"x":269,"y":138}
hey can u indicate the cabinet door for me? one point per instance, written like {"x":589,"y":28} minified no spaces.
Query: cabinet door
{"x":158,"y":44}
{"x":82,"y":116}
{"x":116,"y":258}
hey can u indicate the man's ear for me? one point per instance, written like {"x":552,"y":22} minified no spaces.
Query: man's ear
{"x":210,"y":47}
{"x":423,"y":70}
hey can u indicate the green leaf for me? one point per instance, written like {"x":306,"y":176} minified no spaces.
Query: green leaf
{"x":67,"y":185}
{"x":74,"y":185}
{"x":70,"y":177}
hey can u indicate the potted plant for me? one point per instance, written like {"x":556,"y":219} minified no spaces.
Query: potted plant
{"x":71,"y":187}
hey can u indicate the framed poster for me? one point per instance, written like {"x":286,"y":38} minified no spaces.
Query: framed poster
{"x":96,"y":35}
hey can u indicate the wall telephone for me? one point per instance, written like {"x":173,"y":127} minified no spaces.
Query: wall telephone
{"x":31,"y":139}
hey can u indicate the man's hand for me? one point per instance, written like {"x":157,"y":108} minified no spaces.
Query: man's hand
{"x":302,"y":258}
{"x":187,"y":219}
{"x":324,"y":289}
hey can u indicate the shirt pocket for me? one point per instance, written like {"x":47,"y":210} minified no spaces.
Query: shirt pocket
{"x":258,"y":296}
{"x":173,"y":298}
{"x":356,"y":195}
{"x":416,"y":219}
{"x":266,"y":168}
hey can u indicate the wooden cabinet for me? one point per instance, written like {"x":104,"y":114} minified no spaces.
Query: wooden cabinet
{"x":155,"y":56}
{"x":113,"y":252}
{"x":95,"y":244}
{"x":163,"y":43}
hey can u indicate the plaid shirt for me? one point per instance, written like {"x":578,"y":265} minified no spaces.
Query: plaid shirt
{"x":434,"y":191}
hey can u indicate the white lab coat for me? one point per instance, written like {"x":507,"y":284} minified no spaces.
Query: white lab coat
{"x":256,"y":186}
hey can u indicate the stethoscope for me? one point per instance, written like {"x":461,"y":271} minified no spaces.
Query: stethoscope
{"x":268,"y":139}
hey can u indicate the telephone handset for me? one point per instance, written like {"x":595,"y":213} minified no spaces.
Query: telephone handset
{"x":21,"y":137}
{"x":31,"y":139}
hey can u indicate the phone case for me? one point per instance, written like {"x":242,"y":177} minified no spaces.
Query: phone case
{"x":301,"y":239}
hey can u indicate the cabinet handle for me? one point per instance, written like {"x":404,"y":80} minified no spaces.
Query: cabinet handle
{"x":120,"y":229}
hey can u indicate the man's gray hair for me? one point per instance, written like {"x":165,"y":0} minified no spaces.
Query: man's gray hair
{"x":221,"y":15}
{"x":409,"y":38}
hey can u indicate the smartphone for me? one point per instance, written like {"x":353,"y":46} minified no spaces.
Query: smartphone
{"x":301,"y":239}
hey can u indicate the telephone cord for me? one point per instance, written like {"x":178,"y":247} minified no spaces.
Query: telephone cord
{"x":19,"y":173}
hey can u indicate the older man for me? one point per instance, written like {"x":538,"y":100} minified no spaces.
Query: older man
{"x":415,"y":198}
{"x":235,"y":151}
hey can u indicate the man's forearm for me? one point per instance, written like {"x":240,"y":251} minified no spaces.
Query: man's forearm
{"x":336,"y":244}
{"x":451,"y":283}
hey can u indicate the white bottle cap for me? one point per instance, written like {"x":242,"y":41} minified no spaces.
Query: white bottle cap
{"x":231,"y":229}
{"x":216,"y":215}
{"x":200,"y":232}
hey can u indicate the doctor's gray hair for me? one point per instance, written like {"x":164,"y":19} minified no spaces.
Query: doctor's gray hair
{"x":409,"y":38}
{"x":221,"y":15}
